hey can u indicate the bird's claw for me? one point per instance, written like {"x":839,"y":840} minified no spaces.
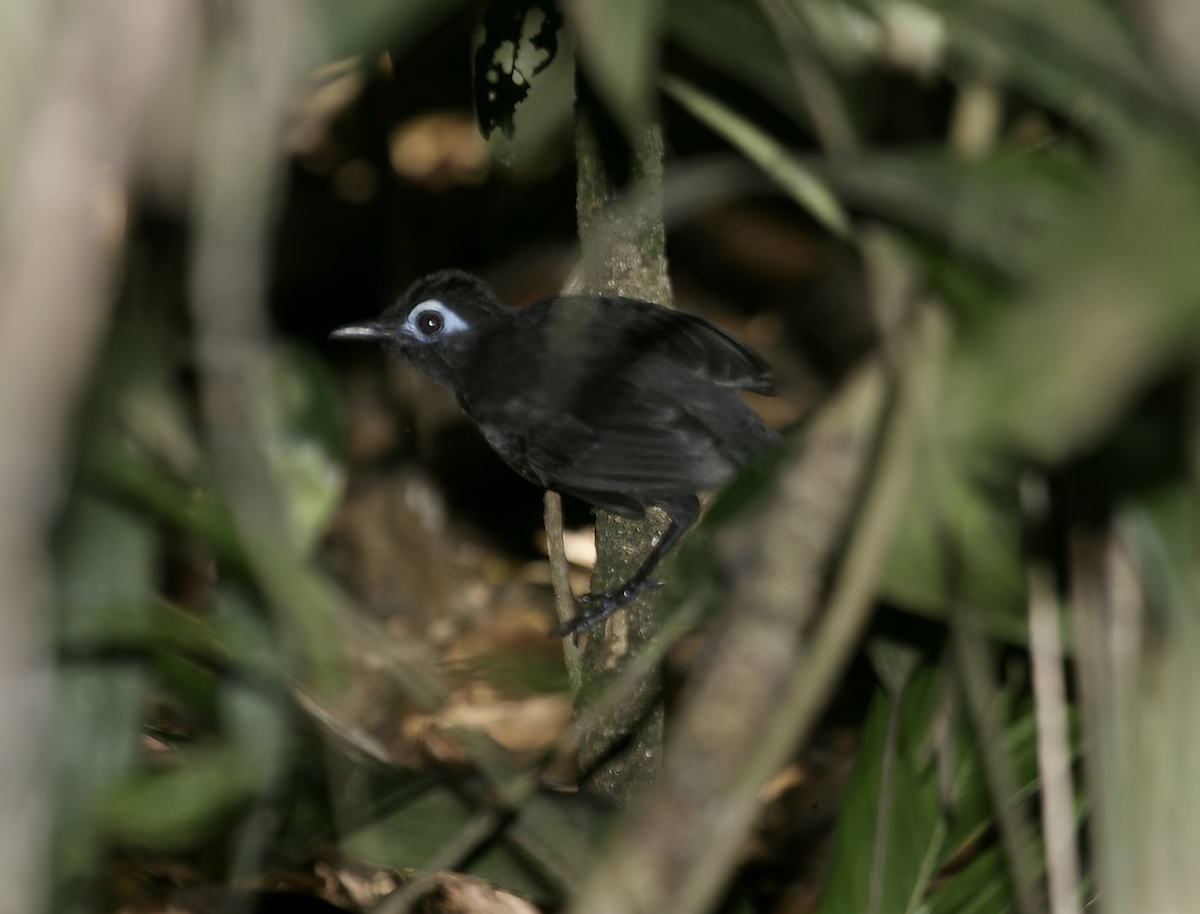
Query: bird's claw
{"x":596,"y":607}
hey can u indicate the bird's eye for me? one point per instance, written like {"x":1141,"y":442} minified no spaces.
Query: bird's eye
{"x":430,"y":322}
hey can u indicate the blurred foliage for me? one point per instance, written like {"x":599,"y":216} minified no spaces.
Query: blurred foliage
{"x":190,"y":710}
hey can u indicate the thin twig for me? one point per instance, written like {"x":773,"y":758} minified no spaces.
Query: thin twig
{"x":481,"y":826}
{"x":972,"y":660}
{"x":1054,"y":752}
{"x":560,"y":580}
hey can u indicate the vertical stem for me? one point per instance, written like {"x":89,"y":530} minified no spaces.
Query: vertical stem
{"x":973,"y":660}
{"x":258,"y":65}
{"x":60,"y":234}
{"x":1054,"y":753}
{"x":623,"y":252}
{"x":560,"y":580}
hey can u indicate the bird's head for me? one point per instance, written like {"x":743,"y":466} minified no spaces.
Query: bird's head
{"x":435,"y":324}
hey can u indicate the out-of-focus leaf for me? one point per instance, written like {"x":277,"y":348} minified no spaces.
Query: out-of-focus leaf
{"x":566,"y":829}
{"x":412,"y":835}
{"x":310,"y":401}
{"x":1116,"y":301}
{"x":972,"y":801}
{"x":368,"y":26}
{"x":99,"y":710}
{"x":953,"y":535}
{"x":913,"y":831}
{"x":119,"y":467}
{"x":996,"y":212}
{"x":150,"y":413}
{"x":736,"y":37}
{"x":105,"y":551}
{"x":981,"y":887}
{"x":970,"y":292}
{"x":176,"y":808}
{"x":104,"y":558}
{"x":189,"y":684}
{"x":311,"y":484}
{"x":303,"y":448}
{"x":246,"y":637}
{"x":503,"y":865}
{"x":1076,"y":55}
{"x":853,"y":35}
{"x":253,"y":715}
{"x":894,"y":663}
{"x":159,"y":629}
{"x":920,"y":841}
{"x":103,"y":568}
{"x":808,"y":190}
{"x":617,"y":43}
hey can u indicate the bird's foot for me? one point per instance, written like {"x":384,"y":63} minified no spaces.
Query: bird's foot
{"x":599,"y":606}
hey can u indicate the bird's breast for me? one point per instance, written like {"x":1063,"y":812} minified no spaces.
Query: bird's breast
{"x":512,"y":445}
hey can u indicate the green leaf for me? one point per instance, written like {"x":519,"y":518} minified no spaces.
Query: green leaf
{"x":808,"y":190}
{"x":617,"y":44}
{"x":920,"y":842}
{"x":120,"y":467}
{"x":103,"y":568}
{"x":564,"y":830}
{"x":369,"y":26}
{"x":1076,"y":55}
{"x":1114,"y":303}
{"x":412,"y":835}
{"x":736,"y":37}
{"x":177,"y":808}
{"x":302,"y":449}
{"x":970,"y":292}
{"x":913,"y":817}
{"x":981,"y":887}
{"x":552,"y":841}
{"x":955,"y":536}
{"x":996,"y":212}
{"x":972,"y":799}
{"x":98,"y":713}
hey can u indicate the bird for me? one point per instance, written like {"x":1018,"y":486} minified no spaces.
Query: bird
{"x":622,"y":403}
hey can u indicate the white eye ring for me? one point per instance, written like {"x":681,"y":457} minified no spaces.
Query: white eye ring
{"x":420,"y":318}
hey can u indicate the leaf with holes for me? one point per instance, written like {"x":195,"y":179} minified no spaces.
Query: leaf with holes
{"x":520,"y":40}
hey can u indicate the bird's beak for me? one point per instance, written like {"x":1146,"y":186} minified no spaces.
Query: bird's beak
{"x":367,"y":331}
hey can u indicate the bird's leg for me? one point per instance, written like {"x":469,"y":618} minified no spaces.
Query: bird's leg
{"x":599,"y":606}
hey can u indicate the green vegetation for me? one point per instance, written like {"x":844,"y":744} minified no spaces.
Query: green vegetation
{"x":987,"y":522}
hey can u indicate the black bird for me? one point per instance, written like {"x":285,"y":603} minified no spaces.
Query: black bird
{"x":622,"y":403}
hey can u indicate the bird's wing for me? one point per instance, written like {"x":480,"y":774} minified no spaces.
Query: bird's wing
{"x":640,"y":438}
{"x":696,"y":345}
